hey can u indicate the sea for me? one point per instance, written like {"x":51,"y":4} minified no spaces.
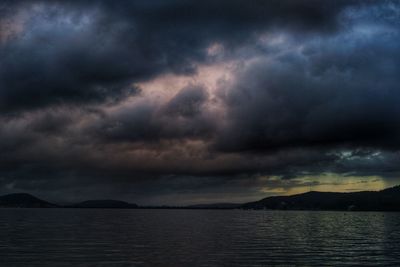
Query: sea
{"x":174,"y":237}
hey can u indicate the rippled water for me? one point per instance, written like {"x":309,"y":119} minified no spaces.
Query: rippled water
{"x":91,"y":237}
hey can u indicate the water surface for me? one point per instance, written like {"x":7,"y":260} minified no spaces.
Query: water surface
{"x":96,"y":237}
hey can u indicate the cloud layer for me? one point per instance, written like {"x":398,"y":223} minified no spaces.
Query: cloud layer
{"x":197,"y":101}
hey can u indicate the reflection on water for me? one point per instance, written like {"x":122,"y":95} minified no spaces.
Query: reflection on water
{"x":73,"y":237}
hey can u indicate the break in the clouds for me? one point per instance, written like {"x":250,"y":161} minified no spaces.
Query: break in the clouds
{"x":186,"y":101}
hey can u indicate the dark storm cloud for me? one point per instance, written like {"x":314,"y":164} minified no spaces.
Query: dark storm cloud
{"x":80,"y":52}
{"x":181,"y":117}
{"x":187,"y":102}
{"x":61,"y":60}
{"x":340,"y":90}
{"x":315,"y":89}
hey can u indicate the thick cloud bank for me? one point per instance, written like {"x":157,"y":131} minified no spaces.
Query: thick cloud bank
{"x":188,"y":101}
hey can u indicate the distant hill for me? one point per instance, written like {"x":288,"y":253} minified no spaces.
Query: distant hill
{"x":104,"y":204}
{"x":384,"y":200}
{"x":23,"y":200}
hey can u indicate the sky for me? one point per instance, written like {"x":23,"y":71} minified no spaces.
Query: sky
{"x":179,"y":102}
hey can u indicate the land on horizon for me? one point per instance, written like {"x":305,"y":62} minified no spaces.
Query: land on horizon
{"x":383,"y":200}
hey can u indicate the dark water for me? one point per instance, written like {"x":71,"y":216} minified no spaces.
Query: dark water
{"x":73,"y":237}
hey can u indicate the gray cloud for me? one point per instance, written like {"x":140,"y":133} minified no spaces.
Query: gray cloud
{"x":314,"y":90}
{"x":339,"y":90}
{"x":70,"y":52}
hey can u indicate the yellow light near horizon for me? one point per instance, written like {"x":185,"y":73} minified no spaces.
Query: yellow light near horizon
{"x":328,"y":182}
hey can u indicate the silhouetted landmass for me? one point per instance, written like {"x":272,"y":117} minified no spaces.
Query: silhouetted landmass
{"x":385,"y":200}
{"x":22,"y":200}
{"x":105,"y":204}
